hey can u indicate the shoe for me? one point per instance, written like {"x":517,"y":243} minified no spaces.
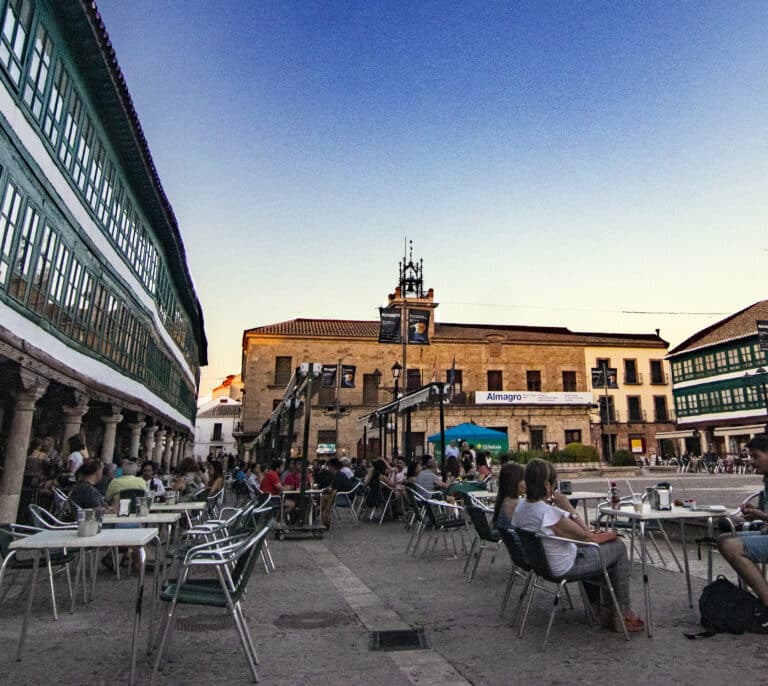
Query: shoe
{"x":633,"y":623}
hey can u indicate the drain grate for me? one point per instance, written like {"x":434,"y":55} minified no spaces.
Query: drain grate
{"x":402,"y":639}
{"x":311,"y":620}
{"x":204,"y":623}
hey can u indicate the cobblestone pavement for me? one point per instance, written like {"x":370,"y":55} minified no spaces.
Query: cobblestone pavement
{"x":311,"y":621}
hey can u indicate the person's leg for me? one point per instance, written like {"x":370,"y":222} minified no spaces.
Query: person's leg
{"x":744,"y":552}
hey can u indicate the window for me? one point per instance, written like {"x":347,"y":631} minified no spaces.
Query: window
{"x":42,"y":275}
{"x":71,"y":129}
{"x":83,"y":154}
{"x":633,"y":408}
{"x":276,"y":403}
{"x":657,"y":372}
{"x":726,"y":396}
{"x":687,"y":368}
{"x":746,"y":354}
{"x":709,"y":362}
{"x":37,"y":75}
{"x":97,"y":316}
{"x":630,"y":372}
{"x":607,"y":409}
{"x":22,"y":270}
{"x":283,"y":369}
{"x":660,"y":413}
{"x":13,"y":42}
{"x":105,"y":196}
{"x":110,"y":326}
{"x":569,"y":383}
{"x":698,"y":365}
{"x":95,"y":175}
{"x":458,"y":379}
{"x":9,"y":218}
{"x":572,"y":436}
{"x":370,"y":390}
{"x":720,"y":360}
{"x":60,"y":268}
{"x":413,"y":380}
{"x":216,"y":432}
{"x":495,"y":380}
{"x":532,"y":380}
{"x":738,"y":396}
{"x":55,"y":110}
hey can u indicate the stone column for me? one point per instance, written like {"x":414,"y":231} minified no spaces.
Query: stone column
{"x":110,"y":430}
{"x":176,"y":457}
{"x":170,"y":439}
{"x":158,"y":452}
{"x":136,"y":427}
{"x":73,"y":420}
{"x":149,"y":441}
{"x":28,"y":392}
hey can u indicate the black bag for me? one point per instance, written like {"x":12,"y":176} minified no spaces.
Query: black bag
{"x":725,"y":608}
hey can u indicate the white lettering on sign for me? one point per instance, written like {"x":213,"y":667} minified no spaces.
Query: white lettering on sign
{"x":531,"y":398}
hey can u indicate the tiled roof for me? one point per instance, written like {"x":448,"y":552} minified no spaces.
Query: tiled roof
{"x":447,"y":332}
{"x":220,"y":411}
{"x":738,"y":325}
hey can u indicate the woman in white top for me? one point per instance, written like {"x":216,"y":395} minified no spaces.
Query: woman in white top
{"x":537,"y":515}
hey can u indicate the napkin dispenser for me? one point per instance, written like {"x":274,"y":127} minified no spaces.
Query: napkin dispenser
{"x":87,"y":523}
{"x":660,"y":497}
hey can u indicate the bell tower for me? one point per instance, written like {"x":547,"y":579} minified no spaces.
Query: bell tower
{"x":409,"y":296}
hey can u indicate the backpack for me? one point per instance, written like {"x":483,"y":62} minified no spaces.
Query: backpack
{"x":725,"y":608}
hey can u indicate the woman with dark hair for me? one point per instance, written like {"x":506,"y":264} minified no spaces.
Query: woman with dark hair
{"x":377,"y":475}
{"x":215,"y":477}
{"x":511,"y":487}
{"x":483,"y":470}
{"x":412,"y":471}
{"x":188,"y":480}
{"x":535,"y":514}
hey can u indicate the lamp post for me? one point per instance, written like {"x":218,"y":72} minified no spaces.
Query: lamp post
{"x":761,"y":373}
{"x":396,"y":369}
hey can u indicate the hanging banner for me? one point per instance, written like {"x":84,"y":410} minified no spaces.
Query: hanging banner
{"x":329,"y":376}
{"x":762,"y":334}
{"x":604,"y":377}
{"x":389,"y":328}
{"x":348,"y":376}
{"x":418,"y":327}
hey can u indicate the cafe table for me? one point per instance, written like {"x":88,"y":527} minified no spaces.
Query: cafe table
{"x":313,"y":493}
{"x":187,"y":508}
{"x":676,"y":514}
{"x":168,"y":520}
{"x":584,"y":497}
{"x":57,"y":539}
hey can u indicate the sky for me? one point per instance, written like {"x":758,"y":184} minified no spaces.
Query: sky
{"x":554,"y":163}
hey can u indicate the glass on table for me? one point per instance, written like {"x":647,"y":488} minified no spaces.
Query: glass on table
{"x":637,"y":502}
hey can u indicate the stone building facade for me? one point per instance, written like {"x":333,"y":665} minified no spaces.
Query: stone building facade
{"x":539,"y":378}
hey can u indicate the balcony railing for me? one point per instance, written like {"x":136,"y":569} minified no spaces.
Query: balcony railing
{"x":636,"y":416}
{"x":633,"y":379}
{"x":660,"y":379}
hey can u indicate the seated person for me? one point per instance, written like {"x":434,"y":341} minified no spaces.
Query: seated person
{"x":748,"y":549}
{"x":452,"y":466}
{"x":215,"y":481}
{"x":108,"y":473}
{"x":429,"y":477}
{"x":292,"y":480}
{"x":188,"y":479}
{"x":270,"y":480}
{"x":535,"y":514}
{"x":127,"y":482}
{"x":483,"y":470}
{"x":84,"y":493}
{"x":154,"y":484}
{"x":511,"y":487}
{"x":339,"y":483}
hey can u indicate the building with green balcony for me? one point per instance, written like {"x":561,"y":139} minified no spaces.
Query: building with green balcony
{"x":101,"y":331}
{"x":719,"y":384}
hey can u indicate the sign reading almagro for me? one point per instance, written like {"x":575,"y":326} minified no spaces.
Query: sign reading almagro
{"x":531,"y":398}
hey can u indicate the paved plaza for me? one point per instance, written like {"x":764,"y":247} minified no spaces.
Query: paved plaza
{"x":311,"y":621}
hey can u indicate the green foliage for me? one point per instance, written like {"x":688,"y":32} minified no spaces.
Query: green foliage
{"x":623,"y":458}
{"x":573,"y":452}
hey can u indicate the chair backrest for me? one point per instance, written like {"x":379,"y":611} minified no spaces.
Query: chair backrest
{"x":480,"y":521}
{"x":514,"y":547}
{"x":6,"y":537}
{"x":45,"y":520}
{"x":533,"y":548}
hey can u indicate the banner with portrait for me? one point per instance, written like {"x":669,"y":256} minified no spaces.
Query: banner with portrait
{"x":348,"y":375}
{"x":418,"y":327}
{"x":604,"y":377}
{"x":390,"y":325}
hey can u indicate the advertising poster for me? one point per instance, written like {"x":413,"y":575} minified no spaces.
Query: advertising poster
{"x":329,"y":376}
{"x":418,"y":327}
{"x":603,"y":377}
{"x":389,"y":326}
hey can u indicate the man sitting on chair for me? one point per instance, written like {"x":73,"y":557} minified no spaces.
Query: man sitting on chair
{"x":748,"y":549}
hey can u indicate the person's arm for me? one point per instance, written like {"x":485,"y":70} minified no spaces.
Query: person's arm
{"x":570,"y":528}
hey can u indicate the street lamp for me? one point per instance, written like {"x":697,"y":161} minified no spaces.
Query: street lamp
{"x":396,"y":369}
{"x":761,"y":373}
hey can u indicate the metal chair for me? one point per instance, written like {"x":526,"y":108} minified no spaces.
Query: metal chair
{"x":520,"y":568}
{"x":233,"y":561}
{"x":536,"y":556}
{"x":444,"y":519}
{"x":10,"y":561}
{"x":486,"y":537}
{"x":345,"y":500}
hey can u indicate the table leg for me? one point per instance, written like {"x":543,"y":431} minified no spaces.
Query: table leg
{"x":646,"y":588}
{"x":28,"y":612}
{"x":155,"y":590}
{"x":137,"y":615}
{"x":685,"y":562}
{"x":711,"y":534}
{"x":586,"y":513}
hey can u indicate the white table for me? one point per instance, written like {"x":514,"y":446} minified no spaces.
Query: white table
{"x":109,"y":538}
{"x":585,"y":496}
{"x":679,"y":514}
{"x":186,"y":508}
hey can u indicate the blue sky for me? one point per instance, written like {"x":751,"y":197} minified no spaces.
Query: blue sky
{"x":555,"y":163}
